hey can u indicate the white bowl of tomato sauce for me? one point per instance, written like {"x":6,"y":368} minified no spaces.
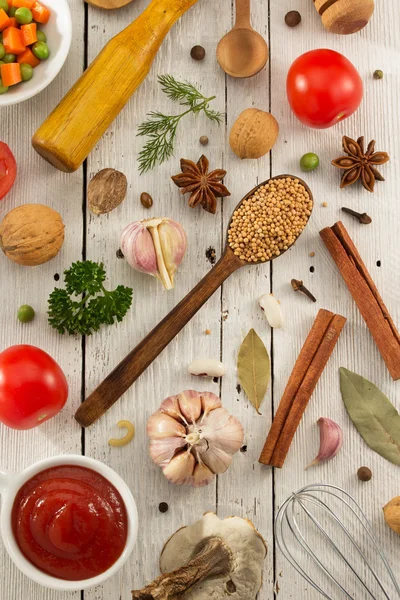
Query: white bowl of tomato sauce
{"x":36,"y":62}
{"x":68,"y":522}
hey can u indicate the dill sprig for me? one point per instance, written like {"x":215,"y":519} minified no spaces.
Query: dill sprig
{"x":161,"y":129}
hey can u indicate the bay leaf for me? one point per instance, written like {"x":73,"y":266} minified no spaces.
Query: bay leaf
{"x":254,"y":368}
{"x":374,"y":416}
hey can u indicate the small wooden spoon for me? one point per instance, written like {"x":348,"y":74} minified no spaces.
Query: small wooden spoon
{"x":108,"y":4}
{"x":137,"y":361}
{"x":242,"y":52}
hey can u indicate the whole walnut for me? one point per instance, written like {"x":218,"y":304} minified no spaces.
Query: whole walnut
{"x":253,"y":134}
{"x":392,"y":514}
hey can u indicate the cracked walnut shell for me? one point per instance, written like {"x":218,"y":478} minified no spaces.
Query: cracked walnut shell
{"x":253,"y":134}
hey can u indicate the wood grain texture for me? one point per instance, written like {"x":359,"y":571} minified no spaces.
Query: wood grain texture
{"x":248,"y":489}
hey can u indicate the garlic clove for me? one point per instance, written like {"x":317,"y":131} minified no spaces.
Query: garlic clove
{"x":272,"y":310}
{"x":180,"y":469}
{"x":173,"y":243}
{"x":209,"y":402}
{"x":162,"y":450}
{"x":190,"y":405}
{"x":331,"y":440}
{"x":170,"y":406}
{"x":202,"y":475}
{"x":138,"y":248}
{"x":161,"y":426}
{"x":216,"y":459}
{"x":207,"y":367}
{"x":223,"y":430}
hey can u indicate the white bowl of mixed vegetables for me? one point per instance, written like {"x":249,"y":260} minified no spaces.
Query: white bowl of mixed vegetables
{"x":35,"y":38}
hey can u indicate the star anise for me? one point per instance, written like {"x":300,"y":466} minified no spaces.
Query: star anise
{"x":360,"y":164}
{"x":204,"y":187}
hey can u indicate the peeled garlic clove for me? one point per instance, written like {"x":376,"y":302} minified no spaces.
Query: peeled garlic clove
{"x":190,"y":405}
{"x":207,"y":367}
{"x":209,"y":402}
{"x":161,"y":426}
{"x":216,"y":459}
{"x":180,"y":469}
{"x":202,"y":475}
{"x":162,"y":450}
{"x":272,"y":310}
{"x":155,"y":246}
{"x":331,"y":440}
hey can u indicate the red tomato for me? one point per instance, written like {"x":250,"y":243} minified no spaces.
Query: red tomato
{"x":8,"y":169}
{"x":323,"y":88}
{"x":33,"y":387}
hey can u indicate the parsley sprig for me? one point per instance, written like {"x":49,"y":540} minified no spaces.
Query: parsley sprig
{"x":87,"y":314}
{"x":161,"y":129}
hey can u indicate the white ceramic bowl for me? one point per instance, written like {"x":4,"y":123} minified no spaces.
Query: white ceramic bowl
{"x":10,"y":483}
{"x":59,"y":35}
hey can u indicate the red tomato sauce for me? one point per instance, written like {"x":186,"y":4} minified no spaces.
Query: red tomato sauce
{"x":70,"y":522}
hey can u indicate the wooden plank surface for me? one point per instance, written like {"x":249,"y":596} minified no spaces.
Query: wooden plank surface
{"x":248,"y":489}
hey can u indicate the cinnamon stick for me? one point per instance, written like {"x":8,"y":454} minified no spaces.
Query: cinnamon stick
{"x":365,"y":294}
{"x":311,"y":362}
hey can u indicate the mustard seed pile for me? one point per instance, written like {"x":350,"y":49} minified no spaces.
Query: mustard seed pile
{"x":270,"y":221}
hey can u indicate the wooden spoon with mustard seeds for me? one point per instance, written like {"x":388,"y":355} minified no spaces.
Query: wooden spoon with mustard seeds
{"x":242,"y":52}
{"x":137,"y":361}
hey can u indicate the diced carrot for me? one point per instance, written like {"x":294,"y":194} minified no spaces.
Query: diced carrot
{"x":13,"y":22}
{"x":4,"y":19}
{"x":40,"y":13}
{"x":12,"y":41}
{"x":29,"y":34}
{"x":28,"y":58}
{"x":9,"y":3}
{"x":23,"y":3}
{"x":10,"y":74}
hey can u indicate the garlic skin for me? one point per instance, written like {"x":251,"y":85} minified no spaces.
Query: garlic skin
{"x":193,"y":438}
{"x":272,"y":310}
{"x":207,"y":367}
{"x":331,"y":440}
{"x":156,"y":247}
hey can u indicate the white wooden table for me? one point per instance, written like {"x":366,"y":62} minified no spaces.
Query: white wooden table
{"x":247,"y":490}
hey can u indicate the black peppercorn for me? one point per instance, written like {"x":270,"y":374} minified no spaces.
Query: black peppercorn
{"x":293,"y":18}
{"x":197,"y":52}
{"x":163,"y":507}
{"x":364,"y":474}
{"x":119,"y":253}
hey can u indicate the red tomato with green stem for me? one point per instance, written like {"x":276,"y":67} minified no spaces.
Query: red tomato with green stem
{"x":323,"y":87}
{"x":33,"y":387}
{"x":8,"y":169}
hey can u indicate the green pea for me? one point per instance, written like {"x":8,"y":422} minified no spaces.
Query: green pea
{"x":12,"y":10}
{"x":9,"y":58}
{"x":2,"y":51}
{"x":309,"y":161}
{"x":23,"y":15}
{"x":25,"y":313}
{"x":2,"y":62}
{"x":26,"y":72}
{"x":3,"y":88}
{"x":41,"y":50}
{"x":4,"y":6}
{"x":41,"y":36}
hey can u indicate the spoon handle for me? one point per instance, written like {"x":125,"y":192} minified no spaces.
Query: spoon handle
{"x":137,"y":361}
{"x":242,"y":14}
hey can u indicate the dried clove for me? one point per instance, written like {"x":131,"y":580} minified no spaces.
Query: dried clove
{"x":298,"y":286}
{"x":362,"y":217}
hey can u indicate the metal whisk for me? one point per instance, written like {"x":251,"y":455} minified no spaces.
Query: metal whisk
{"x":322,"y":530}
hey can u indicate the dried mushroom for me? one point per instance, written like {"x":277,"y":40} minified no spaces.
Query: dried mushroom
{"x":106,"y":191}
{"x":212,"y":558}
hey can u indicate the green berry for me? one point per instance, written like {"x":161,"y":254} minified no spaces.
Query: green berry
{"x":4,"y":6}
{"x":41,"y":50}
{"x":12,"y":11}
{"x":25,"y":313}
{"x":309,"y":162}
{"x":26,"y":72}
{"x":9,"y":58}
{"x":2,"y":51}
{"x":23,"y":16}
{"x":41,"y":36}
{"x":3,"y":88}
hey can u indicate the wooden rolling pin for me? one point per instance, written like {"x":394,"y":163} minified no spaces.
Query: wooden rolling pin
{"x":68,"y":135}
{"x":344,"y":16}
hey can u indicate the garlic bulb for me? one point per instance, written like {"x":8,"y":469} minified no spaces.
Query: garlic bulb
{"x":155,"y":246}
{"x":192,"y":438}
